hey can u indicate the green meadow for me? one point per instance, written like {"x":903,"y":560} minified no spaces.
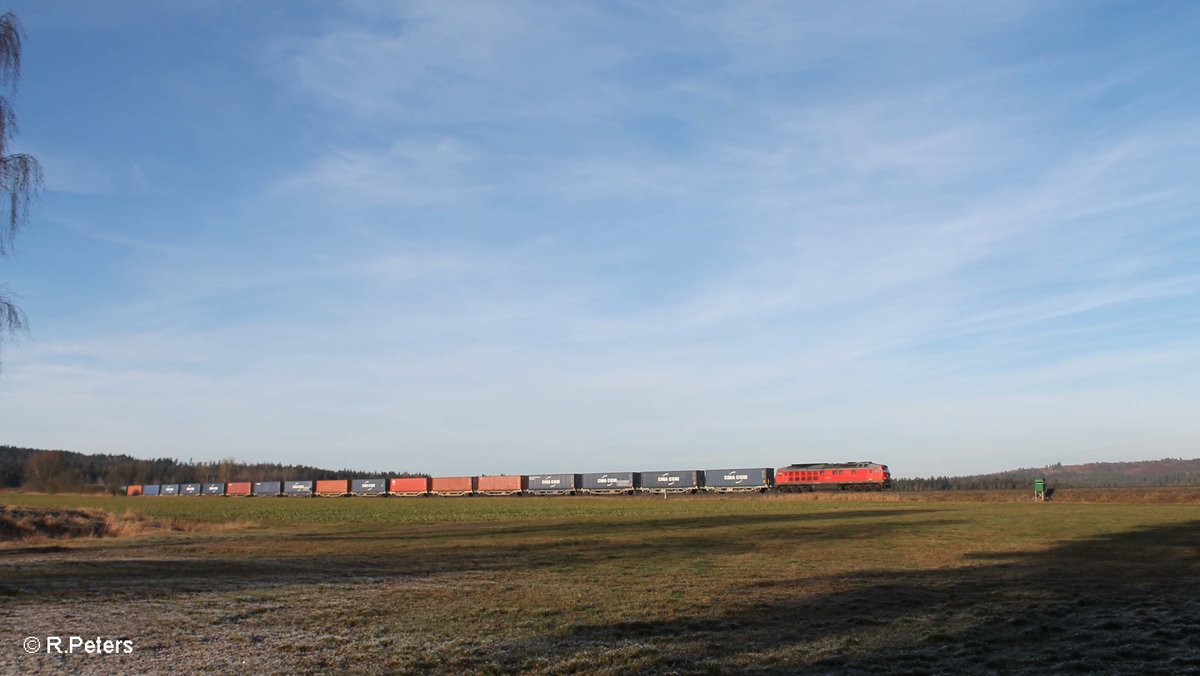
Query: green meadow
{"x":583,"y":585}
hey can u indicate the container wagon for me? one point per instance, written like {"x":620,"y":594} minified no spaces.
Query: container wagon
{"x":452,"y":485}
{"x":673,"y":481}
{"x":373,"y":487}
{"x":501,"y":485}
{"x":169,"y":489}
{"x":214,"y":489}
{"x":189,"y":489}
{"x":844,"y":476}
{"x":333,"y":488}
{"x":268,"y":489}
{"x":409,"y":485}
{"x":608,"y":483}
{"x":239,"y":488}
{"x":298,"y":489}
{"x":552,"y":484}
{"x":756,"y":479}
{"x":133,"y":490}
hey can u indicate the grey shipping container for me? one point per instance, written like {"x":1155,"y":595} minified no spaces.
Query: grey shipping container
{"x":295,"y":488}
{"x":368,"y":486}
{"x":214,"y":489}
{"x":552,"y":483}
{"x":189,"y":489}
{"x":673,"y":480}
{"x":608,"y":481}
{"x":268,"y":487}
{"x":151,"y":489}
{"x":170,"y":489}
{"x":755,"y":478}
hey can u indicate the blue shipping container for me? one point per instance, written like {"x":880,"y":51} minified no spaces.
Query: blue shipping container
{"x":268,"y":487}
{"x":553,"y":483}
{"x":368,"y":486}
{"x":170,"y":489}
{"x":151,"y":489}
{"x":681,"y":479}
{"x":755,"y":477}
{"x":295,"y":488}
{"x":189,"y":489}
{"x":608,"y":481}
{"x":214,"y":489}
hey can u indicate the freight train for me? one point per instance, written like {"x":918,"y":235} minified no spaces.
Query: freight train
{"x":844,"y":476}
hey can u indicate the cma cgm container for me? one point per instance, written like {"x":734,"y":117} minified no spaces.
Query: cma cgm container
{"x":452,"y":485}
{"x":298,"y":489}
{"x":133,"y":490}
{"x":169,"y":489}
{"x":333,"y":487}
{"x":368,"y":487}
{"x":268,"y":488}
{"x":189,"y":489}
{"x":215,"y":489}
{"x":552,"y":484}
{"x":409,"y":485}
{"x":151,"y":489}
{"x":673,"y":480}
{"x":608,"y":482}
{"x":734,"y":480}
{"x":237,"y":488}
{"x":500,"y":485}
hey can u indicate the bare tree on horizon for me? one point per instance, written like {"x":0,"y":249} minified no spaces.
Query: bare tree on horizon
{"x":20,"y":173}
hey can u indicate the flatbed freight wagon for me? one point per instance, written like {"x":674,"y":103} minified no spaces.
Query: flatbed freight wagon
{"x":452,"y":485}
{"x":602,"y":483}
{"x":754,"y":479}
{"x":500,"y":485}
{"x":552,"y":484}
{"x":673,"y":481}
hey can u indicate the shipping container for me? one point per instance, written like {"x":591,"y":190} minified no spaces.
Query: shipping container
{"x":333,"y":487}
{"x":169,"y":489}
{"x":151,"y":489}
{"x":237,"y":488}
{"x":452,"y":485}
{"x":133,"y":490}
{"x":189,"y":489}
{"x":733,"y":480}
{"x":214,"y":489}
{"x":608,"y":482}
{"x":500,"y":485}
{"x":413,"y":485}
{"x":268,"y":488}
{"x":368,"y":487}
{"x":298,"y":489}
{"x":552,"y":484}
{"x":672,"y":480}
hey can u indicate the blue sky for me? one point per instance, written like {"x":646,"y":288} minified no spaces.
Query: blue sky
{"x":531,"y":237}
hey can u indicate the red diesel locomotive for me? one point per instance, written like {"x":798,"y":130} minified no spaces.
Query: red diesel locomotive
{"x":845,"y":476}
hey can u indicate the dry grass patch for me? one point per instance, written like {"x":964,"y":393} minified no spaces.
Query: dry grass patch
{"x":31,"y":524}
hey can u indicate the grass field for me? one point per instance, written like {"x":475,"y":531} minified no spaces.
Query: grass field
{"x":562,"y":585}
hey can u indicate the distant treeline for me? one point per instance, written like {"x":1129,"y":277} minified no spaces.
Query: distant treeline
{"x":67,"y":471}
{"x":1165,"y":472}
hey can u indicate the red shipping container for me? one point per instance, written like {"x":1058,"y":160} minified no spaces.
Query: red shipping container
{"x":333,"y":487}
{"x":133,"y":490}
{"x":414,"y":485}
{"x":237,"y":488}
{"x":502,"y":484}
{"x":452,"y":485}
